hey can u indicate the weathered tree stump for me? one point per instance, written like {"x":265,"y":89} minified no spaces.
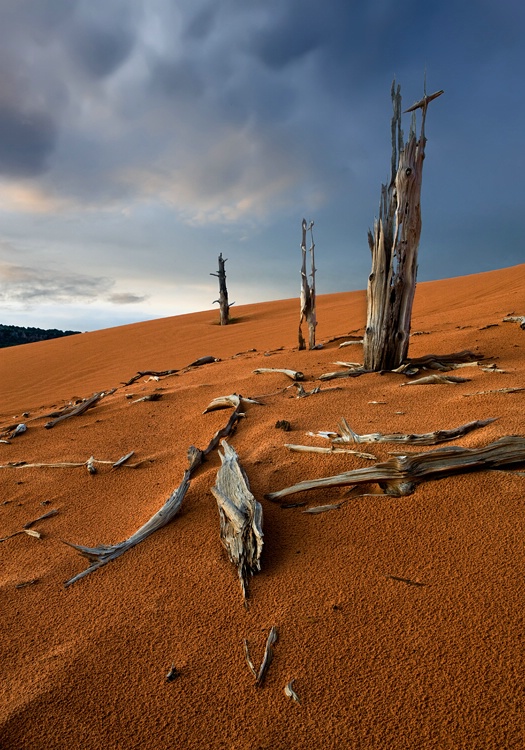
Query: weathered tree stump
{"x":224,"y":306}
{"x":307,"y":291}
{"x":394,"y":245}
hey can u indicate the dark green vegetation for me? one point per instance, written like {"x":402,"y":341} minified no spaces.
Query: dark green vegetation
{"x":15,"y":335}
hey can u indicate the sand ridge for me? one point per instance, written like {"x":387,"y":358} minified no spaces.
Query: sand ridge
{"x":377,"y":662}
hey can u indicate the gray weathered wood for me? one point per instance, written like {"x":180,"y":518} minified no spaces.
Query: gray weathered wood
{"x":224,"y":305}
{"x":240,"y":516}
{"x":400,"y":475}
{"x":308,"y":311}
{"x":394,"y":246}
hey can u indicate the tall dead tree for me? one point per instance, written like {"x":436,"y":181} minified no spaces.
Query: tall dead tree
{"x":224,"y":306}
{"x":394,"y":245}
{"x":307,"y":290}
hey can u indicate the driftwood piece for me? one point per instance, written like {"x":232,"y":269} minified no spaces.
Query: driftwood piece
{"x":496,"y":390}
{"x":49,"y":514}
{"x":437,"y":380}
{"x":290,"y":692}
{"x":333,"y":449}
{"x":292,"y":374}
{"x":152,"y":373}
{"x":224,"y":402}
{"x":348,"y":373}
{"x":240,"y":516}
{"x":307,"y":290}
{"x":400,"y":475}
{"x":73,"y":464}
{"x":515,"y":319}
{"x":347,"y":435}
{"x":442,"y":362}
{"x":350,"y":343}
{"x":101,"y":555}
{"x":76,"y":411}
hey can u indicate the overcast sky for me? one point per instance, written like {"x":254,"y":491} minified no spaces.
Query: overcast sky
{"x":140,"y":138}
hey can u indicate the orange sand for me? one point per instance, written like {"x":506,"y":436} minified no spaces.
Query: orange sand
{"x":377,"y":663}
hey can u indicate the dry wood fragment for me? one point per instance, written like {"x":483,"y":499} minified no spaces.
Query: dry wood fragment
{"x":90,"y":465}
{"x":29,"y":532}
{"x":347,"y":435}
{"x":173,"y":673}
{"x":290,"y":692}
{"x":268,"y":656}
{"x":49,"y":514}
{"x":224,"y":402}
{"x":152,"y":373}
{"x":323,"y":508}
{"x":307,"y":291}
{"x":150,"y":397}
{"x":123,"y":460}
{"x":101,"y":555}
{"x":24,"y":584}
{"x":348,"y":373}
{"x":350,"y":343}
{"x":240,"y":516}
{"x":66,"y":464}
{"x":437,"y":379}
{"x":515,"y":319}
{"x":293,"y":374}
{"x":443,"y":362}
{"x":496,"y":390}
{"x":400,"y":475}
{"x":76,"y":411}
{"x":19,"y":429}
{"x":333,"y":449}
{"x":203,"y":361}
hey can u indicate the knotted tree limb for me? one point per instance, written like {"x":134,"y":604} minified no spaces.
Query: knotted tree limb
{"x":400,"y":475}
{"x":240,"y":516}
{"x":101,"y":555}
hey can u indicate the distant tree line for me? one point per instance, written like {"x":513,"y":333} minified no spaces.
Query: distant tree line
{"x":15,"y":335}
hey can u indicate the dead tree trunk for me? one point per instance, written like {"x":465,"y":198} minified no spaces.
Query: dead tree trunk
{"x":223,"y":292}
{"x":307,"y":291}
{"x":394,"y":245}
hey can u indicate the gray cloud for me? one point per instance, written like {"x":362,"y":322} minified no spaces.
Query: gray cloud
{"x":126,"y":298}
{"x":27,"y":141}
{"x":30,"y":285}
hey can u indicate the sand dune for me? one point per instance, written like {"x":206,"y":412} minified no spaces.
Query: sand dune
{"x":400,"y":619}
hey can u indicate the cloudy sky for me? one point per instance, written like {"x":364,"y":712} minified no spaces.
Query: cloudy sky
{"x":140,"y":138}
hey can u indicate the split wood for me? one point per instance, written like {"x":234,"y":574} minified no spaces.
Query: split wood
{"x":333,"y":449}
{"x":240,"y":516}
{"x":103,"y":554}
{"x":437,"y":379}
{"x":400,"y":475}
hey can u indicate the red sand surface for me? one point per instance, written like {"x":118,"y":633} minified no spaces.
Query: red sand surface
{"x":377,"y":663}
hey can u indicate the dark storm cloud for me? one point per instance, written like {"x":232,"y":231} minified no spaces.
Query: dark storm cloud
{"x":100,"y":50}
{"x":27,"y":140}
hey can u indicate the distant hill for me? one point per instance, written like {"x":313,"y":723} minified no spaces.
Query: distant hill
{"x":15,"y":335}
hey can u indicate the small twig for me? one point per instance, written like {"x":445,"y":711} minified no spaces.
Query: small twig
{"x":268,"y":656}
{"x":293,"y":374}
